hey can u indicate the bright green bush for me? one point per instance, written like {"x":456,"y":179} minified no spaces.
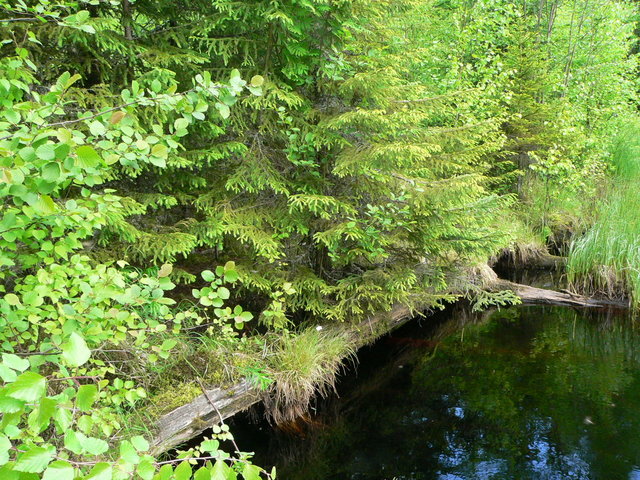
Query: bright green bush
{"x":64,"y":397}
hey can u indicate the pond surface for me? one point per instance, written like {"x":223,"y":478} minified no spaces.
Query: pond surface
{"x":520,"y":393}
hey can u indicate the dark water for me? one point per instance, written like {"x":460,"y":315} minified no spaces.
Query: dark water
{"x":521,"y":393}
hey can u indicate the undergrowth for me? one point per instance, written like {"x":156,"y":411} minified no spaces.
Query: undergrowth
{"x":606,"y":259}
{"x":526,"y":243}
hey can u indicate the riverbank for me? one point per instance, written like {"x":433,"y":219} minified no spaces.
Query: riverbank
{"x":217,"y":403}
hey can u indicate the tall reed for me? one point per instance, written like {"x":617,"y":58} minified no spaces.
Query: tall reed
{"x":606,"y":259}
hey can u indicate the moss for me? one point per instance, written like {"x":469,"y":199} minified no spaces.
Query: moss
{"x":172,"y":398}
{"x":199,"y":363}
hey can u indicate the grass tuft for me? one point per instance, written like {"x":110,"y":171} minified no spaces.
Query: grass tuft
{"x":606,"y":259}
{"x":302,"y":366}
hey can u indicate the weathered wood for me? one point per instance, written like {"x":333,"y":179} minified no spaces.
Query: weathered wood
{"x":190,"y":420}
{"x":540,"y":296}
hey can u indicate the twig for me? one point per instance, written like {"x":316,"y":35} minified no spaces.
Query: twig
{"x":7,"y":20}
{"x":46,"y":352}
{"x":204,"y":390}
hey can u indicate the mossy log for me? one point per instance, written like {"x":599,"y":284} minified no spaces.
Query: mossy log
{"x":207,"y":410}
{"x":190,"y":420}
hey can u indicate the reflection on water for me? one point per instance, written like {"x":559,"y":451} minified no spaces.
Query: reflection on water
{"x":523,"y":393}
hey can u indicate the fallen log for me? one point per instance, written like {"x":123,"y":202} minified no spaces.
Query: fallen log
{"x":540,"y":296}
{"x":218,"y":404}
{"x":209,"y":409}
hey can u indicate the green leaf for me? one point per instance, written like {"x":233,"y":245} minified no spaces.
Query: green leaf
{"x":10,"y":405}
{"x":181,"y":123}
{"x":45,"y":205}
{"x":210,"y":446}
{"x":140,"y":443}
{"x":75,"y":351}
{"x":12,"y":116}
{"x":46,"y":151}
{"x":34,"y":460}
{"x":42,"y":186}
{"x":183,"y":471}
{"x":219,"y":471}
{"x":157,"y":161}
{"x":257,"y":81}
{"x":59,"y":470}
{"x":102,"y":471}
{"x":39,"y":420}
{"x":97,"y":128}
{"x":51,"y":172}
{"x":12,"y":299}
{"x":5,"y":445}
{"x":32,"y":298}
{"x":202,"y":474}
{"x":160,"y":151}
{"x":128,"y":453}
{"x":87,"y":394}
{"x":251,"y":472}
{"x":165,"y":472}
{"x":208,"y":276}
{"x":73,"y":79}
{"x":78,"y":443}
{"x":7,"y":374}
{"x":231,"y":276}
{"x":87,"y":157}
{"x":223,"y":109}
{"x":94,"y":446}
{"x":28,"y":154}
{"x":73,"y":442}
{"x":8,"y":473}
{"x":168,"y":344}
{"x":257,"y":91}
{"x":15,"y":362}
{"x":62,"y":151}
{"x":63,"y":419}
{"x":228,"y":99}
{"x":146,"y":470}
{"x":85,"y":424}
{"x":28,"y":387}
